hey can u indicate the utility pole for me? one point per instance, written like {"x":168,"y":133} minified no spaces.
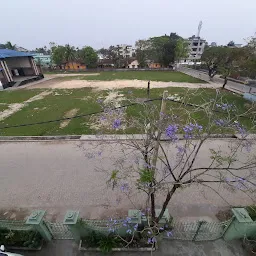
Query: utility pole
{"x":156,"y":148}
{"x":148,"y":88}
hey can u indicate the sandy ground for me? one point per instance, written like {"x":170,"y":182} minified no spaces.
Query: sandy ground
{"x":63,"y":175}
{"x":102,"y":85}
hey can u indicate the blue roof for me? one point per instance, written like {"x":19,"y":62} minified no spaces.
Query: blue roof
{"x":6,"y":53}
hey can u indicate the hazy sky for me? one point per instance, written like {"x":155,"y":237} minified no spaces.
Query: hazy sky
{"x":98,"y":23}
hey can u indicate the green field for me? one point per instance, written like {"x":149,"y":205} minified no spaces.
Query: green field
{"x":164,"y":76}
{"x":59,"y":102}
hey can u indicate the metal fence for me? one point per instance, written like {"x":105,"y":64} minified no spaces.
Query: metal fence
{"x":190,"y":231}
{"x":198,"y":231}
{"x":14,"y":225}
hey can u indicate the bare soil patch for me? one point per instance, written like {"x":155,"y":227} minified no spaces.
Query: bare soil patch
{"x":104,"y":85}
{"x":69,"y":114}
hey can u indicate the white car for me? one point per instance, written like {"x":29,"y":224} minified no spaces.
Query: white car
{"x":4,"y":253}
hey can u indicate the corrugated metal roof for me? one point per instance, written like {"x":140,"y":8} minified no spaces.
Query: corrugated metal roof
{"x":6,"y":53}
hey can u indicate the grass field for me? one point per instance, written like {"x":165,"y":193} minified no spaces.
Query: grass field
{"x":163,"y":76}
{"x":84,"y":101}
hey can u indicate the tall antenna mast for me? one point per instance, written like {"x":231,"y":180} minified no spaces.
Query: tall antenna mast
{"x":199,"y":28}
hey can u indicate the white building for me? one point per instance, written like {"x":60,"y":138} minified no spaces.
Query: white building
{"x":196,"y":47}
{"x":126,"y":51}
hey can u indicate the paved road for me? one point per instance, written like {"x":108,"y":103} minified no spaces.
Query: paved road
{"x":236,"y":87}
{"x":63,"y":175}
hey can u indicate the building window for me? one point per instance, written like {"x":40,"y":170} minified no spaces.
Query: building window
{"x":199,"y":49}
{"x":133,"y":66}
{"x":78,"y":66}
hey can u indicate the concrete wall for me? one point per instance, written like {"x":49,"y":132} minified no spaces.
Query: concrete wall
{"x":20,"y":62}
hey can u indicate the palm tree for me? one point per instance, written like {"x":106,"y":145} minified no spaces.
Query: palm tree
{"x":10,"y":46}
{"x":70,"y":54}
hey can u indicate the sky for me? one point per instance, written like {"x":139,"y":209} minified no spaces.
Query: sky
{"x":101,"y":23}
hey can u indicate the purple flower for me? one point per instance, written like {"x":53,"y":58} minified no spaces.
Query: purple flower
{"x":124,"y":187}
{"x":99,"y":101}
{"x":117,"y":124}
{"x":151,"y":240}
{"x":169,"y":233}
{"x":220,"y":122}
{"x":149,"y":233}
{"x":135,"y":227}
{"x":190,"y":129}
{"x":161,"y":228}
{"x":129,"y":231}
{"x":171,"y":131}
{"x":103,"y":118}
{"x":224,"y":106}
{"x":180,"y":150}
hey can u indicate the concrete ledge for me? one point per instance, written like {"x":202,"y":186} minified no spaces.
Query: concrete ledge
{"x":113,"y":137}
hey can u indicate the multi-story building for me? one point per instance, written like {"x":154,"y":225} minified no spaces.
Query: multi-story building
{"x":196,"y":47}
{"x":126,"y":51}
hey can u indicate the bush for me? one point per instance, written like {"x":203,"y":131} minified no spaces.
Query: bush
{"x":20,"y":238}
{"x":105,"y":242}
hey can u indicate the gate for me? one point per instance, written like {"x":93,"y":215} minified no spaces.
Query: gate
{"x":198,"y":231}
{"x":59,"y":230}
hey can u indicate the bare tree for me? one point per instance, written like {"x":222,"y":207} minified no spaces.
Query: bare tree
{"x":176,"y":151}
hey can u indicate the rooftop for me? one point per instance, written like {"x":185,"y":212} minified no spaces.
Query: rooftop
{"x":6,"y":53}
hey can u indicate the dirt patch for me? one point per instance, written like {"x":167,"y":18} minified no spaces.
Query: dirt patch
{"x":104,"y":85}
{"x":69,"y":114}
{"x":15,"y":107}
{"x":12,"y":108}
{"x":107,"y":120}
{"x":39,"y":96}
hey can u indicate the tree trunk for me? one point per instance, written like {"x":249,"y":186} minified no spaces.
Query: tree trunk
{"x":225,"y":82}
{"x":166,"y":202}
{"x":153,"y":207}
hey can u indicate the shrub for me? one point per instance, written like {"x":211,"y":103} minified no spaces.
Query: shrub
{"x":20,"y":238}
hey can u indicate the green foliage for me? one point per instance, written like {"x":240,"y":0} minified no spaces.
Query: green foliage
{"x":112,"y":181}
{"x":20,"y":238}
{"x":10,"y":46}
{"x":252,"y":211}
{"x":58,"y":55}
{"x":107,"y":243}
{"x":146,"y":176}
{"x":88,"y":56}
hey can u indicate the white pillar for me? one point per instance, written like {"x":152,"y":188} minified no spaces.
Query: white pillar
{"x":7,"y":71}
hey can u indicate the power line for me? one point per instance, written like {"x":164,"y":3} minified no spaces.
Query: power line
{"x":77,"y":116}
{"x":102,"y":111}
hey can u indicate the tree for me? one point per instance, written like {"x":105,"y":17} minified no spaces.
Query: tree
{"x":10,"y":46}
{"x":212,"y":58}
{"x":70,"y":54}
{"x":142,"y":52}
{"x":231,"y":43}
{"x":232,"y":59}
{"x":181,"y":49}
{"x":104,"y":52}
{"x":88,"y":56}
{"x":158,"y":167}
{"x":58,"y":55}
